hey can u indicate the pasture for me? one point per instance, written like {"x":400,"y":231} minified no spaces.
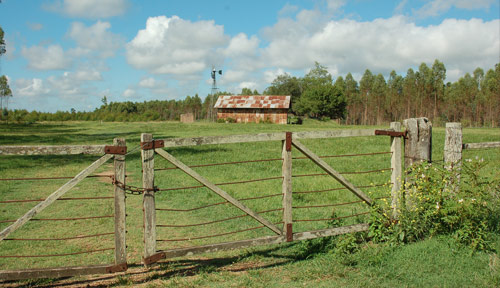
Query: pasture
{"x":371,"y":171}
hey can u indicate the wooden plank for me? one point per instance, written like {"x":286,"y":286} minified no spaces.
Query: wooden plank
{"x":323,"y":165}
{"x":397,"y":174}
{"x":286,"y":171}
{"x":481,"y":145}
{"x":334,"y":134}
{"x":181,"y":252}
{"x":54,"y":272}
{"x":222,"y":246}
{"x":53,"y":150}
{"x":196,"y":141}
{"x":54,"y":196}
{"x":331,"y":232}
{"x":217,"y":190}
{"x":120,"y":206}
{"x":148,"y":201}
{"x":453,"y":145}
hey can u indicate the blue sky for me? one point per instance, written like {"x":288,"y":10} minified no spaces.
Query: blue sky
{"x":64,"y":54}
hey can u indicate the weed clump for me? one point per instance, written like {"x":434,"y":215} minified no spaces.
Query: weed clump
{"x":459,"y":202}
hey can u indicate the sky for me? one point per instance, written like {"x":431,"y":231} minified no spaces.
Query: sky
{"x":64,"y":54}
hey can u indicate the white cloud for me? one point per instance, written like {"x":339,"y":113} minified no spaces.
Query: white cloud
{"x":130,"y":93}
{"x":30,"y":87}
{"x":382,"y":44}
{"x":51,"y":58}
{"x":148,"y":83}
{"x":92,"y":9}
{"x":10,"y":47}
{"x":270,"y":75}
{"x":175,"y":46}
{"x":35,"y":26}
{"x":334,"y":6}
{"x":95,"y":38}
{"x":438,"y":7}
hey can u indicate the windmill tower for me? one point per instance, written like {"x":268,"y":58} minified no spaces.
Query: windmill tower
{"x":211,"y":114}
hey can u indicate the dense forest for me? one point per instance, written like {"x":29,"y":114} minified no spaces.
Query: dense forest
{"x":473,"y":100}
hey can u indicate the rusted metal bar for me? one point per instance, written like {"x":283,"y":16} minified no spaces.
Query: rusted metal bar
{"x":60,"y":199}
{"x":214,"y":235}
{"x":223,"y":163}
{"x":56,"y":255}
{"x":345,"y":173}
{"x":391,"y":133}
{"x":152,"y":145}
{"x":288,"y":141}
{"x":62,"y":219}
{"x":335,"y":189}
{"x":289,"y":232}
{"x":215,"y":221}
{"x":117,"y":268}
{"x":344,"y":155}
{"x":58,"y":239}
{"x":115,"y":150}
{"x":216,"y":204}
{"x":51,"y":178}
{"x":330,"y":219}
{"x":221,"y":184}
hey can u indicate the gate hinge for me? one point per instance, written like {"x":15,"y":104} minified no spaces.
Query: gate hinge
{"x":152,"y":145}
{"x":391,"y":133}
{"x":116,"y":150}
{"x":154,"y":258}
{"x":117,"y":268}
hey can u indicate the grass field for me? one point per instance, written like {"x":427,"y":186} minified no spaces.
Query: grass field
{"x":321,"y":270}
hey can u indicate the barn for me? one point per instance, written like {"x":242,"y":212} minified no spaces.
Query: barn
{"x":253,"y":108}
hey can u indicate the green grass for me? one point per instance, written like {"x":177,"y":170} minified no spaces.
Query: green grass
{"x":315,"y":271}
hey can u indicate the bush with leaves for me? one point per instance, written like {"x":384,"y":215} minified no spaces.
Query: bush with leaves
{"x":459,"y":202}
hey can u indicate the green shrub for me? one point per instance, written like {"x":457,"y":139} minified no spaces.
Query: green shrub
{"x":459,"y":202}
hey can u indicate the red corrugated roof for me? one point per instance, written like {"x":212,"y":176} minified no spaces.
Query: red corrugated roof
{"x":253,"y":101}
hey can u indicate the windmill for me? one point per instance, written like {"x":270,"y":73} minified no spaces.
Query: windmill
{"x":211,"y":115}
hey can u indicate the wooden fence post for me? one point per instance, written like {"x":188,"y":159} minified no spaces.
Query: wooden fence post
{"x":120,"y":213}
{"x":418,"y":148}
{"x":148,"y":201}
{"x":396,"y":176}
{"x":453,"y":145}
{"x":286,"y":154}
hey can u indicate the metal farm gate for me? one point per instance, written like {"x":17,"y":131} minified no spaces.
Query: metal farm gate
{"x":186,"y":213}
{"x":45,"y":222}
{"x":279,"y":228}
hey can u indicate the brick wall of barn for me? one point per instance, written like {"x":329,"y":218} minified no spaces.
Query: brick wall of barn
{"x":278,"y":116}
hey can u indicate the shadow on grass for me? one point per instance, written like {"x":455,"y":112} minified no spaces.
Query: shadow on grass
{"x":137,"y":274}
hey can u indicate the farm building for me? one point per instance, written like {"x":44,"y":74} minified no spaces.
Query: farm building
{"x":254,"y":108}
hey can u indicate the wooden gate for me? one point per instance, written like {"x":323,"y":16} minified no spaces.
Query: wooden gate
{"x":116,"y":152}
{"x":278,"y":234}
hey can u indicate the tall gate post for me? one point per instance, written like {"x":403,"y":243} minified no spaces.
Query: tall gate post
{"x":418,"y":147}
{"x":396,"y":176}
{"x":287,"y":186}
{"x":120,"y":213}
{"x":148,"y":201}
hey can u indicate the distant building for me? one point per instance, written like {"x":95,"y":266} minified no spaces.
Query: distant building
{"x":254,"y":108}
{"x":187,"y":118}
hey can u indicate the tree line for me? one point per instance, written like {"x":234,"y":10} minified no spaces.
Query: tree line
{"x":474,"y":99}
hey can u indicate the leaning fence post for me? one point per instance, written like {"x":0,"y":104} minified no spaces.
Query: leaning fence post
{"x":287,"y":186}
{"x":148,"y":201}
{"x":120,"y":213}
{"x":418,"y":147}
{"x":396,"y":176}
